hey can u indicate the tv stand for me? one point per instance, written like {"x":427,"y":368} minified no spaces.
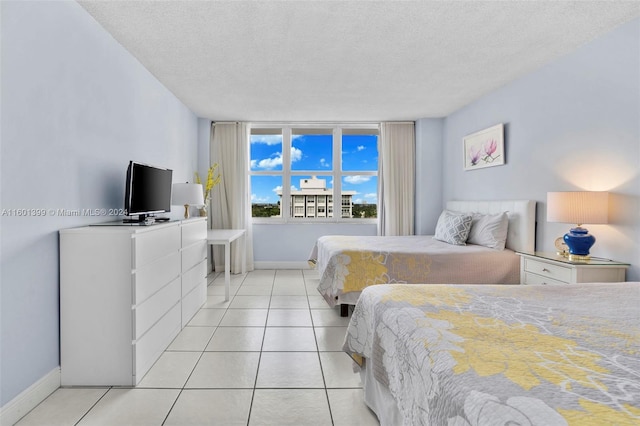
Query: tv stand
{"x":141,"y":218}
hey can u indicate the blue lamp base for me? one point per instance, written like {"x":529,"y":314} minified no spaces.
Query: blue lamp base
{"x":579,"y":242}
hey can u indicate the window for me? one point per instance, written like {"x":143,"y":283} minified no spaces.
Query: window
{"x":296,"y":171}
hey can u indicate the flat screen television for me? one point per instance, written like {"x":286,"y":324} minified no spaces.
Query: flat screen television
{"x":147,"y":191}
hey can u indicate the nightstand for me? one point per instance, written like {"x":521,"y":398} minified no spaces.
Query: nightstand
{"x":551,"y":269}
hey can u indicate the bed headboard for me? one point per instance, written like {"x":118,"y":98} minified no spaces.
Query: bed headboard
{"x":522,"y":219}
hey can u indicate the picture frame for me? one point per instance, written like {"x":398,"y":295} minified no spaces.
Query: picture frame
{"x":484,"y":148}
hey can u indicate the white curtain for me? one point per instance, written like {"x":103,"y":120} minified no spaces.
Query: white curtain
{"x":397,"y":179}
{"x":230,"y":200}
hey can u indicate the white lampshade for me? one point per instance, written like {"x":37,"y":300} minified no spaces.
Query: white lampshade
{"x":579,"y":207}
{"x":187,"y":194}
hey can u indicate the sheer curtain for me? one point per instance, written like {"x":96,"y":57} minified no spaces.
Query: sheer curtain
{"x":397,"y":179}
{"x":230,"y":200}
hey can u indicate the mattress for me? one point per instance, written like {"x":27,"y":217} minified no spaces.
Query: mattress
{"x":473,"y":355}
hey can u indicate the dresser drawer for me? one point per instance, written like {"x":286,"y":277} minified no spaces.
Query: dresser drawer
{"x":193,"y":232}
{"x":193,"y":255}
{"x":150,"y":347}
{"x":153,"y":276}
{"x":151,"y":246}
{"x":535,"y":279}
{"x":193,"y":277}
{"x":192,"y":302}
{"x":148,"y":313}
{"x":548,"y":270}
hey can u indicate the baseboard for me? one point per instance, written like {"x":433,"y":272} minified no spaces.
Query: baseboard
{"x":281,"y":265}
{"x":28,"y":399}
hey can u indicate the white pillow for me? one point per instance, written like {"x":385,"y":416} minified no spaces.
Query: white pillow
{"x":453,"y":227}
{"x":489,"y":230}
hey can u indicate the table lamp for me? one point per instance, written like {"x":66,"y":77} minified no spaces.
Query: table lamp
{"x":187,"y":194}
{"x":578,"y":207}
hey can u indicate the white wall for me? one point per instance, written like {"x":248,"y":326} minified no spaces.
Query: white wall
{"x":76,"y":107}
{"x":572,"y":125}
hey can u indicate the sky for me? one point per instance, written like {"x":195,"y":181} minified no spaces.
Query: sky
{"x":312,"y":155}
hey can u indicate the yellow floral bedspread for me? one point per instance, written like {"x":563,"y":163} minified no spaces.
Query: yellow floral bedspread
{"x":486,"y":355}
{"x":348,"y":264}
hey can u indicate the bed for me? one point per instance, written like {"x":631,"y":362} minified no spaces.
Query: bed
{"x":348,"y":264}
{"x":465,"y":355}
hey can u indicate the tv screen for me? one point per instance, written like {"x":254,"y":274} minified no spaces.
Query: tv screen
{"x":148,"y":190}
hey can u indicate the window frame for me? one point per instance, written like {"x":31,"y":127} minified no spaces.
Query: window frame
{"x":337,"y":174}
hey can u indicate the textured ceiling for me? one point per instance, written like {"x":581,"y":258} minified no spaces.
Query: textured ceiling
{"x":347,"y":60}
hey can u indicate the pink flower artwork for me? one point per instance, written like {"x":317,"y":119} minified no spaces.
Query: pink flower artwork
{"x":484,"y":148}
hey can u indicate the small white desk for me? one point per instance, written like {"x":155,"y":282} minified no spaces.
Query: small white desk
{"x":225,"y":237}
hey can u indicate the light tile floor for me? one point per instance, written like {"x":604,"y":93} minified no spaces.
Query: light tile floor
{"x":270,"y":356}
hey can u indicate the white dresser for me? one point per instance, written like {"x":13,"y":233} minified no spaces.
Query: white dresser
{"x":125,"y":293}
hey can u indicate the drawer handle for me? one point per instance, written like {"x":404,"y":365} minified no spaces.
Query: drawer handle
{"x":545,"y":270}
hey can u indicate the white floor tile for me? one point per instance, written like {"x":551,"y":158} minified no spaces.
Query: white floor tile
{"x":348,"y":408}
{"x":192,"y":339}
{"x":237,"y":339}
{"x":201,"y":407}
{"x":261,"y":277}
{"x":317,"y":302}
{"x":218,"y":290}
{"x":171,"y":370}
{"x":132,"y":407}
{"x":289,"y":339}
{"x":337,"y":368}
{"x":250,"y":302}
{"x":217,"y":301}
{"x":234,"y":280}
{"x":280,"y":273}
{"x":207,"y":317}
{"x":289,"y":318}
{"x":330,"y":338}
{"x":63,"y":407}
{"x":289,"y":289}
{"x":254,"y":290}
{"x":225,"y":370}
{"x":289,"y":302}
{"x":297,"y":407}
{"x":286,"y":354}
{"x":244,"y":318}
{"x":328,"y":318}
{"x":289,"y":370}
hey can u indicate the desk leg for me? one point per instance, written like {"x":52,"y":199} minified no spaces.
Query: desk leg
{"x":227,"y":270}
{"x":244,"y":253}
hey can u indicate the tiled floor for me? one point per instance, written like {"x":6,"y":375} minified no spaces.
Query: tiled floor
{"x":270,"y":356}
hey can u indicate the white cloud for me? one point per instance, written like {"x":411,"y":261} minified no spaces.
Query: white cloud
{"x":296,"y":154}
{"x":267,"y":163}
{"x":371,"y":195}
{"x":361,"y":147}
{"x":256,"y":199}
{"x":275,"y":161}
{"x":355,"y":180}
{"x":267,"y":139}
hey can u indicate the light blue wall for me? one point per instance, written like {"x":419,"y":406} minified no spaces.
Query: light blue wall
{"x":574,"y":124}
{"x":279,"y":244}
{"x":429,"y":171}
{"x":76,"y":107}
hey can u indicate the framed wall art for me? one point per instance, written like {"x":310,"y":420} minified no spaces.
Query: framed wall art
{"x":484,"y":148}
